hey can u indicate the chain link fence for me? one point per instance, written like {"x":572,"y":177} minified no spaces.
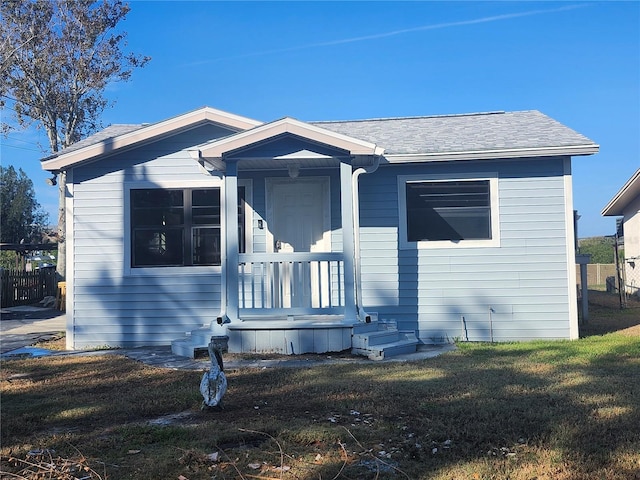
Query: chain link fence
{"x":606,"y":277}
{"x":631,"y":276}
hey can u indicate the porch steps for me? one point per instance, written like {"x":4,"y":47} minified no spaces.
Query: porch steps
{"x":376,"y":340}
{"x":380,"y":340}
{"x":195,"y":341}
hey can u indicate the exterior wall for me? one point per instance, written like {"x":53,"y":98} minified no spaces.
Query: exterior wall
{"x":111,"y":303}
{"x":632,"y":246}
{"x":518,"y":290}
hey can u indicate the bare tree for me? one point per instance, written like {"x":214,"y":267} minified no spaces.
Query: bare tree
{"x":56,"y":59}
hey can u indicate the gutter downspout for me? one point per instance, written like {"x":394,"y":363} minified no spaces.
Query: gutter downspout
{"x":222,"y":317}
{"x":361,"y":314}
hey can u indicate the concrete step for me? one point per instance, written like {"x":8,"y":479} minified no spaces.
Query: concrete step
{"x":374,"y":326}
{"x":362,"y":327}
{"x":384,"y":342}
{"x":183,"y":347}
{"x":379,"y":337}
{"x":192,"y":343}
{"x":201,"y":336}
{"x":380,"y":352}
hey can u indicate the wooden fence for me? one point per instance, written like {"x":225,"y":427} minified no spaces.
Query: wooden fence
{"x":597,"y":274}
{"x":26,"y":288}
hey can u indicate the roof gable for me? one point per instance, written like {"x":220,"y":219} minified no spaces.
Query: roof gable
{"x":287,"y":127}
{"x":120,"y":137}
{"x":627,"y":194}
{"x":286,"y":146}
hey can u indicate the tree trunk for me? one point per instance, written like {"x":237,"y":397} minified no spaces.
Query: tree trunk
{"x":62,"y":227}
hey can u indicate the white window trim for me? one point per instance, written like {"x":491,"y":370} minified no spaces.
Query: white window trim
{"x":188,"y":270}
{"x":494,"y":241}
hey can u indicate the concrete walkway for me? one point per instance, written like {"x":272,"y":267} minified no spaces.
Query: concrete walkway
{"x":26,"y":325}
{"x":21,"y":327}
{"x":162,"y":357}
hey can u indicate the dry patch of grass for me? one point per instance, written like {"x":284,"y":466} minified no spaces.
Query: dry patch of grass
{"x":44,"y":464}
{"x":606,"y":316}
{"x":58,"y":343}
{"x":545,"y":410}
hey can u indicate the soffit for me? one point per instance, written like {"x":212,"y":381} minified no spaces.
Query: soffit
{"x":628,"y":193}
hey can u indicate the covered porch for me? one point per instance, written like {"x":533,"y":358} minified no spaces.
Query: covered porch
{"x":290,"y":273}
{"x":302,"y":263}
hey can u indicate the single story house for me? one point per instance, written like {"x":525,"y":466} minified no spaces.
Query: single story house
{"x":292,"y":237}
{"x":626,"y":204}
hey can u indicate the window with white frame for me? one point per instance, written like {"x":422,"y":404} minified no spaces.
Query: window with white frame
{"x":448,"y":212}
{"x":179,"y":227}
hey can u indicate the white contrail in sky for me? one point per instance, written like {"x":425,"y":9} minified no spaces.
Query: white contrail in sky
{"x":495,"y":18}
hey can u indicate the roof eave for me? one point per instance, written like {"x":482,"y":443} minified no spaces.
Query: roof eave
{"x":147,"y":133}
{"x":574,"y":150}
{"x":628,"y":192}
{"x":225,"y":146}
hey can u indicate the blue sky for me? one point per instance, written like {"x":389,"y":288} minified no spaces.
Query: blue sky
{"x":578,"y":62}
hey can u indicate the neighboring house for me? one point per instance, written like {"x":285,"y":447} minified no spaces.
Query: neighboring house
{"x":626,"y":204}
{"x":297,"y":237}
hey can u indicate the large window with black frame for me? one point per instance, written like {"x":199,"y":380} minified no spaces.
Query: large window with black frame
{"x":179,"y":227}
{"x":448,"y":210}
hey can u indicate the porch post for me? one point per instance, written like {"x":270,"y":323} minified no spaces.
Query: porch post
{"x":348,"y":248}
{"x":230,"y":232}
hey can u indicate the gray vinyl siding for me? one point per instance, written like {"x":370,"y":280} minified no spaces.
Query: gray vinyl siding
{"x":521,"y":287}
{"x":518,"y":289}
{"x":111,"y":305}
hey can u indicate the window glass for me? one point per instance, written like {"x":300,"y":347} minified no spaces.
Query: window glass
{"x":206,"y":246}
{"x":152,"y":247}
{"x":179,"y":227}
{"x":205,"y":207}
{"x":157,"y":207}
{"x":448,"y":210}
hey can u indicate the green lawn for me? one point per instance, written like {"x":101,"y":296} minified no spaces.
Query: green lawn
{"x":544,"y":410}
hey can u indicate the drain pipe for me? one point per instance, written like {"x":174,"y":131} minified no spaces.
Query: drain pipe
{"x":217,"y":325}
{"x":362,"y":315}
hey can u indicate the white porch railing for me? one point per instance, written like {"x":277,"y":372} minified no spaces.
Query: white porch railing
{"x":291,"y":283}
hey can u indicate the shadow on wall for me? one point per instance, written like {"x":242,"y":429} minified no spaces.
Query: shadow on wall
{"x":115,"y":308}
{"x":438,"y":315}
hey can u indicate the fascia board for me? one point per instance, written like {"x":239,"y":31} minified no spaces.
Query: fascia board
{"x":148,"y":133}
{"x":494,"y":154}
{"x":218,"y":148}
{"x":230,"y":119}
{"x":629,"y":191}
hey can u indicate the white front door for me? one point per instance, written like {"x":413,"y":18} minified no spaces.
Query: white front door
{"x":298,"y":216}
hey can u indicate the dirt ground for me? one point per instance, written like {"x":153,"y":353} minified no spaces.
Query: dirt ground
{"x":606,"y":315}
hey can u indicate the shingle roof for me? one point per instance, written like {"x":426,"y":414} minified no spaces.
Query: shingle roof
{"x":474,"y":132}
{"x":112,"y":131}
{"x":461,"y":133}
